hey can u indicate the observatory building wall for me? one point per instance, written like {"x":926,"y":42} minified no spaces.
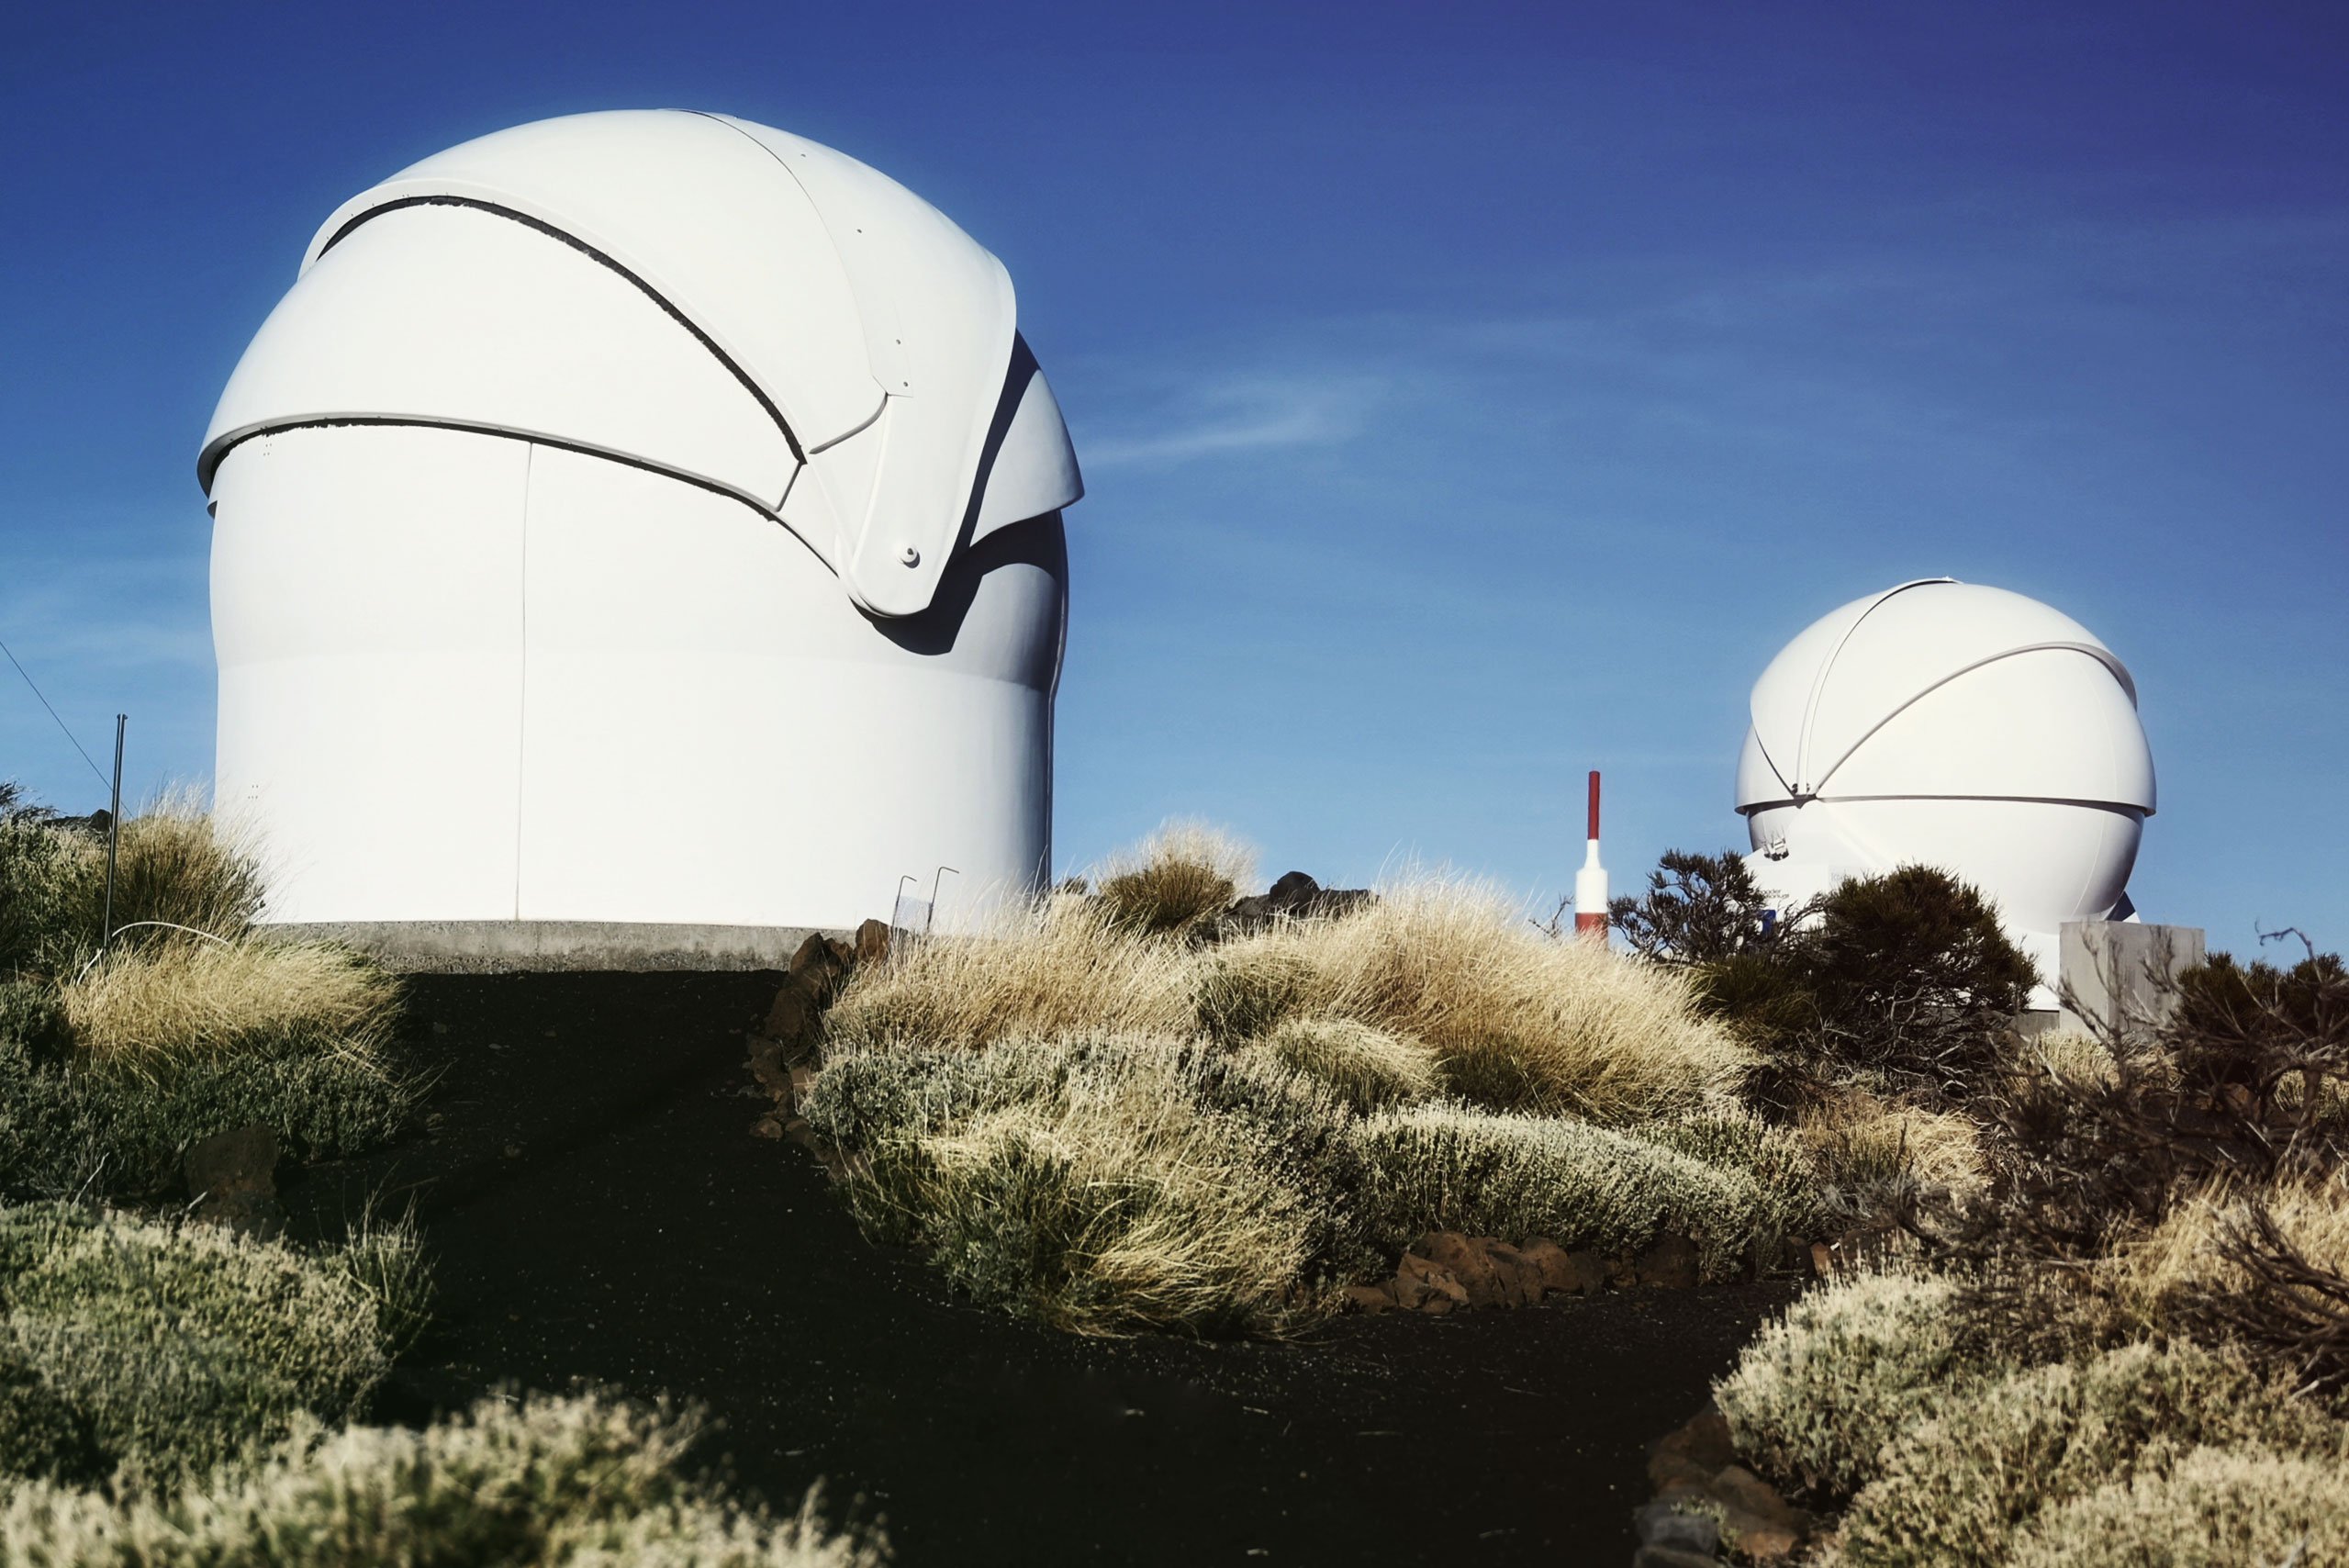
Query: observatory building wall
{"x":637,"y":539}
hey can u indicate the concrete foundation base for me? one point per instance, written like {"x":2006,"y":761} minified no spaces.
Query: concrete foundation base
{"x":2118,"y":977}
{"x":507,"y":946}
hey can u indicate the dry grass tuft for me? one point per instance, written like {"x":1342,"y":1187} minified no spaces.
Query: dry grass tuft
{"x":1875,"y":1155}
{"x":1516,"y":1021}
{"x":145,"y":1009}
{"x":1060,"y":968}
{"x":2073,"y":1059}
{"x":1180,"y":877}
{"x":174,"y":862}
{"x":2150,"y":1277}
{"x":1366,"y":1068}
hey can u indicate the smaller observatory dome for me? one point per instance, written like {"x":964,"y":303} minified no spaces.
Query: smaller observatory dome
{"x":1950,"y":724}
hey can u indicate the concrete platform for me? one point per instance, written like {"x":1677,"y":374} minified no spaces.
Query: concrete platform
{"x":519,"y":946}
{"x":2120,"y":976}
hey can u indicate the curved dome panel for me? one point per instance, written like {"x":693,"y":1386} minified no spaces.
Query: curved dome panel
{"x":939,"y":319}
{"x":876,"y":338}
{"x":2050,"y":725}
{"x":1850,"y":671}
{"x":697,"y":211}
{"x":453,"y":315}
{"x":1782,"y":697}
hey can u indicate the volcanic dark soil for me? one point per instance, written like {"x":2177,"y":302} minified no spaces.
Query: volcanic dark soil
{"x":598,"y":1211}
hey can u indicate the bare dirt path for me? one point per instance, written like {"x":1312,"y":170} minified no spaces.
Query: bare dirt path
{"x":598,"y":1211}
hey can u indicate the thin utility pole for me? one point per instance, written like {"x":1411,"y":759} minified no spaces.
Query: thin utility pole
{"x":114,"y":830}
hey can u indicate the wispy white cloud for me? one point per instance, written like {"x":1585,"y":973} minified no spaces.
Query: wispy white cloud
{"x":1246,"y":414}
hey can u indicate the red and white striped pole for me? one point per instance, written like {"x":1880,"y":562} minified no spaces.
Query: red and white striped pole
{"x":1590,"y":882}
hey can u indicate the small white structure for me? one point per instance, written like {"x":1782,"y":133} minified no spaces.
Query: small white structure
{"x":642,"y":517}
{"x":1949,"y":724}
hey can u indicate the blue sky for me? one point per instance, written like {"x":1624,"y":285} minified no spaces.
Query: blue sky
{"x":1469,"y":395}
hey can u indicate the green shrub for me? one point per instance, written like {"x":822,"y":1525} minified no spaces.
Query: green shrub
{"x":2216,"y":1507}
{"x":1821,"y":1390}
{"x":1444,"y":1167}
{"x":55,"y":1139}
{"x":864,"y":1095}
{"x":1729,"y":1137}
{"x":1366,"y":1068}
{"x":33,"y":1019}
{"x":158,"y":1048}
{"x":71,"y":1129}
{"x":41,"y":1435}
{"x":175,"y":1349}
{"x":1100,"y":1223}
{"x":1104,"y":1184}
{"x":545,"y":1481}
{"x":1955,"y":1488}
{"x":40,"y":889}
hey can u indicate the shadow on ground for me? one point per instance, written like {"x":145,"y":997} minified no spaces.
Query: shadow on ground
{"x":596,"y":1210}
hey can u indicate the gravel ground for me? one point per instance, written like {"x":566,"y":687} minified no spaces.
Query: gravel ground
{"x":598,"y":1211}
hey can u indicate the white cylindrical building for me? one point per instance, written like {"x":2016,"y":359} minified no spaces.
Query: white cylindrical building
{"x":647,"y":518}
{"x":1950,"y":724}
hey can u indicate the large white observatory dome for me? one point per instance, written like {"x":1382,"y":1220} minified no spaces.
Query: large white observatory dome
{"x":1949,"y":724}
{"x":642,"y":517}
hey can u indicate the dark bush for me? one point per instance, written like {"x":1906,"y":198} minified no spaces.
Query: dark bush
{"x":2257,"y":1031}
{"x":1907,"y":977}
{"x":1914,"y":978}
{"x":1699,"y":909}
{"x":1767,"y":999}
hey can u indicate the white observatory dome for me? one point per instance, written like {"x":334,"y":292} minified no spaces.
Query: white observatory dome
{"x":643,"y":517}
{"x":1949,"y":724}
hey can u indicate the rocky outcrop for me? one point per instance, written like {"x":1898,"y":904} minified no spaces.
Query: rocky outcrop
{"x":1295,"y":897}
{"x":1446,"y":1270}
{"x":1708,"y":1507}
{"x":783,"y":1052}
